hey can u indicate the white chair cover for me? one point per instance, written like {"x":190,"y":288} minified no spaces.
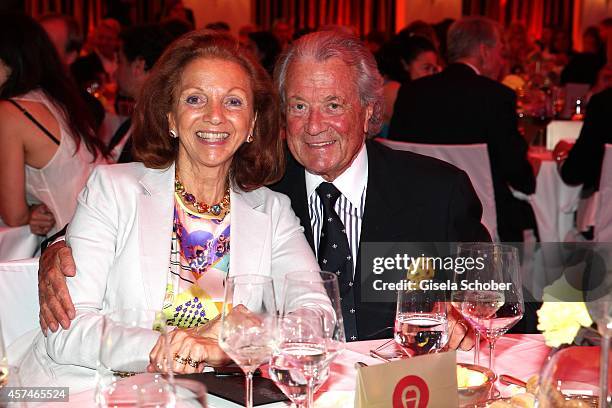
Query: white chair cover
{"x":553,"y":203}
{"x":19,"y":297}
{"x":471,"y":158}
{"x":603,"y":220}
{"x":18,"y":243}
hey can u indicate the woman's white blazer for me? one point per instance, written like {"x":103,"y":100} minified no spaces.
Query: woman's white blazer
{"x":120,"y":239}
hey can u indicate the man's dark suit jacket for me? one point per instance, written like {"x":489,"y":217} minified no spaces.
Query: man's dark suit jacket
{"x":583,"y":164}
{"x":458,"y":106}
{"x":409,"y":198}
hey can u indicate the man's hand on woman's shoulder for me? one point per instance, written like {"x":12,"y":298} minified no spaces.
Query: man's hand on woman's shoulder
{"x":56,"y":308}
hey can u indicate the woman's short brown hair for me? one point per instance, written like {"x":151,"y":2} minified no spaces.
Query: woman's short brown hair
{"x":255,"y":164}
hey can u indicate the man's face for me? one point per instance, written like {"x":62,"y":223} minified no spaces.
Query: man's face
{"x":493,"y":60}
{"x":124,"y":74}
{"x":326,"y":123}
{"x":130,"y":75}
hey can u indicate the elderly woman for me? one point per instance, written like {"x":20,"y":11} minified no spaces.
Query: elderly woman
{"x":156,"y":235}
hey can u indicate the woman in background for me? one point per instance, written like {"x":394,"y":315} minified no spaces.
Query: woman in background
{"x":405,"y":58}
{"x":47,"y":142}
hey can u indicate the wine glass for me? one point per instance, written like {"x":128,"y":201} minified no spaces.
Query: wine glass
{"x":490,"y":294}
{"x":311,"y":334}
{"x":4,"y":366}
{"x":570,"y":378}
{"x":122,"y":334}
{"x":600,"y":309}
{"x":421,"y":325}
{"x":463,"y":251}
{"x":248,"y":324}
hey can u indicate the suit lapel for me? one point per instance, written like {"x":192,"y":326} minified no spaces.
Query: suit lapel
{"x":249,"y":232}
{"x":155,"y":219}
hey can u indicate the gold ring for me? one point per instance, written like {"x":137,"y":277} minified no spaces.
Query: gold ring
{"x":180,"y":360}
{"x":193,"y":363}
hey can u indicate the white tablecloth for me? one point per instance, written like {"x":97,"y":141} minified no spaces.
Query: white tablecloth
{"x":558,"y":130}
{"x":518,"y":355}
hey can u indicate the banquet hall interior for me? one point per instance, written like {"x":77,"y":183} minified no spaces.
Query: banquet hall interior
{"x":448,"y":162}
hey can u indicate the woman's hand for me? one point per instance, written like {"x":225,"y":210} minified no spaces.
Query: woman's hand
{"x":193,"y":349}
{"x":41,"y":219}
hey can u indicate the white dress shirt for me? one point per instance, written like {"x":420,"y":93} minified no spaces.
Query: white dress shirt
{"x":350,"y":205}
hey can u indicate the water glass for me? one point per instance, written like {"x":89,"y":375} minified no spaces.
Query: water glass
{"x":121,"y":355}
{"x":311,"y":334}
{"x":421,"y":325}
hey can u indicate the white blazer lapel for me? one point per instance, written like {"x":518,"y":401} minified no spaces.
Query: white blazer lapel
{"x":250,"y":230}
{"x":155,"y":219}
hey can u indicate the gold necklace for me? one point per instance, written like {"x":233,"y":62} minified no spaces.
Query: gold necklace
{"x":202,"y":208}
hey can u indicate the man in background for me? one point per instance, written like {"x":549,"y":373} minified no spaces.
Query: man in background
{"x":464,"y":104}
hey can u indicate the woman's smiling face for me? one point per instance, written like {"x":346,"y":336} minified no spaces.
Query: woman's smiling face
{"x":213,"y":113}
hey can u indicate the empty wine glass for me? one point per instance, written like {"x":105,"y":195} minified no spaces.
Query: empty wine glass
{"x":248,"y":324}
{"x":421,"y":325}
{"x":490,"y":295}
{"x":121,"y":355}
{"x":311,"y":334}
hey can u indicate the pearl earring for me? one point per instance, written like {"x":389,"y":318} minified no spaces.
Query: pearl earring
{"x":173,"y":134}
{"x":250,"y":138}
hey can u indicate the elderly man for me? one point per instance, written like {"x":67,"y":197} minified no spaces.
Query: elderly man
{"x":331,"y":95}
{"x":465,"y":104}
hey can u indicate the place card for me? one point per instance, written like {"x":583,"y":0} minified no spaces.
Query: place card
{"x":417,"y":382}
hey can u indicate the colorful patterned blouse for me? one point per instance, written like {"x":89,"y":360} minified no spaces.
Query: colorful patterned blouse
{"x":199,"y":263}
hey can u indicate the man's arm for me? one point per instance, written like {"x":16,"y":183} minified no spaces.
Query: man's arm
{"x":56,"y":263}
{"x":507,"y":148}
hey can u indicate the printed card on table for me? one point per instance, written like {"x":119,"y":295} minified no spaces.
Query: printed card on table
{"x":418,"y":382}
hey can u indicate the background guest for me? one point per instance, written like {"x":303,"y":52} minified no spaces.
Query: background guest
{"x":46,"y":150}
{"x":140,"y":47}
{"x":465,"y":104}
{"x":65,"y":33}
{"x":583,"y":164}
{"x":404,"y":58}
{"x":266,"y":48}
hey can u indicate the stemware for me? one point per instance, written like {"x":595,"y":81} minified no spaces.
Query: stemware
{"x":600,"y":310}
{"x":311,"y":334}
{"x":4,"y":366}
{"x":248,"y":324}
{"x":122,"y":334}
{"x":463,"y":251}
{"x":490,"y":295}
{"x":570,"y":379}
{"x":421,"y":325}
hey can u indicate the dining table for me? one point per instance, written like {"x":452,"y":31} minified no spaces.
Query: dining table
{"x":519,"y":355}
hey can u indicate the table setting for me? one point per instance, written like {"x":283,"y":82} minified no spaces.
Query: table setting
{"x":298,"y":356}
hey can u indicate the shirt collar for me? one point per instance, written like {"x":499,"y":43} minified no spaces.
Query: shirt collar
{"x":471,"y":66}
{"x":351,"y":183}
